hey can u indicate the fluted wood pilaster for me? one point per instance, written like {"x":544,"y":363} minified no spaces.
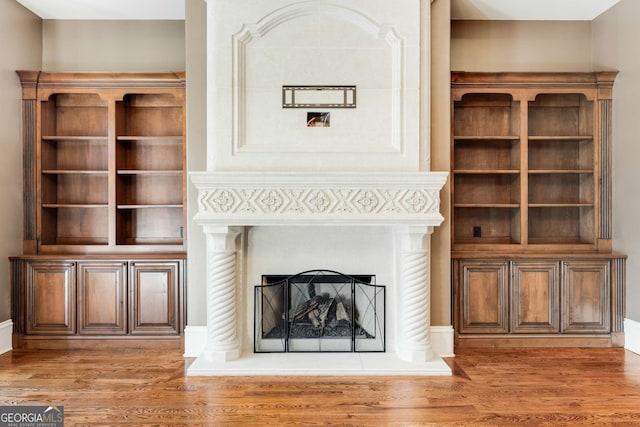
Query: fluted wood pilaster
{"x":29,"y":82}
{"x":413,"y":293}
{"x":618,"y":299}
{"x":28,"y":156}
{"x":605,"y":188}
{"x":223,"y":342}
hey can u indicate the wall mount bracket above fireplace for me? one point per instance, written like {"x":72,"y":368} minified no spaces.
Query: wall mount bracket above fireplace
{"x":319,"y":311}
{"x":320,"y":96}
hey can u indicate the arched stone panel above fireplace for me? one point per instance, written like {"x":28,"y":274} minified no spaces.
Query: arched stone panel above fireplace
{"x":258,"y":48}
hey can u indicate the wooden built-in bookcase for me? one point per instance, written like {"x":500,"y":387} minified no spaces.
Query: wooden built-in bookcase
{"x":104,"y":178}
{"x":531,"y":210}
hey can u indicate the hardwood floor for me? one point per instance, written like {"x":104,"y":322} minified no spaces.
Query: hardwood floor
{"x":489,"y":387}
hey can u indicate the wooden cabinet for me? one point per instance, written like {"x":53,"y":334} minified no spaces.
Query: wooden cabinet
{"x":524,"y":301}
{"x":529,"y":293}
{"x":104,"y":208}
{"x":97,"y":298}
{"x":499,"y":296}
{"x":531,"y":210}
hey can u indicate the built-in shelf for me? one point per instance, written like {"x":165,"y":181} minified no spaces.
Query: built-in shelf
{"x":532,"y":263}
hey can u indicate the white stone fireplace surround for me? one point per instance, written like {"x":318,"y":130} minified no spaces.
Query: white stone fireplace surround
{"x":230,"y":202}
{"x":279,"y":197}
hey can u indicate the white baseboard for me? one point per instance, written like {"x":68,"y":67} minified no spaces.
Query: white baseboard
{"x":6,"y":332}
{"x":632,"y":335}
{"x":195,"y":340}
{"x":442,"y":341}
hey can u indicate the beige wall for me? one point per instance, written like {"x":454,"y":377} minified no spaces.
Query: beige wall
{"x":20,"y":48}
{"x":440,"y":137}
{"x":118,"y":46}
{"x":615,"y":46}
{"x":521,"y":46}
{"x":196,"y":29}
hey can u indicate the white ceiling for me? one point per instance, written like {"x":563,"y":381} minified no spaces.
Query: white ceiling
{"x":566,"y":10}
{"x":106,"y":9}
{"x":530,"y":10}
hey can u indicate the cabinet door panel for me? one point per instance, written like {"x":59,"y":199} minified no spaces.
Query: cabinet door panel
{"x":51,"y":298}
{"x":585,"y":295}
{"x":101,"y":297}
{"x":154,"y":297}
{"x":484,"y":297}
{"x":535,"y":297}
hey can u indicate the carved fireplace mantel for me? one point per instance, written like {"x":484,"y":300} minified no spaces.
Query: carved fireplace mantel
{"x":229,"y":201}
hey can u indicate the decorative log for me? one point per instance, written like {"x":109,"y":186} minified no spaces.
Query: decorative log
{"x":341,"y":313}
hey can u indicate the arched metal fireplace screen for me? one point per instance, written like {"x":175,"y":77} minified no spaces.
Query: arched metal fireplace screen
{"x":319,"y":311}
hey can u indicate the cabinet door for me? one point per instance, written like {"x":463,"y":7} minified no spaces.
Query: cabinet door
{"x":101,"y":297}
{"x":484,"y":298}
{"x":154,"y":297}
{"x":51,"y":298}
{"x":585,"y":296}
{"x":535,"y":297}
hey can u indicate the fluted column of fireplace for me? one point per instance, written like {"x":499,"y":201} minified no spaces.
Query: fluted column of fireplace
{"x":413,"y":293}
{"x":223,"y":343}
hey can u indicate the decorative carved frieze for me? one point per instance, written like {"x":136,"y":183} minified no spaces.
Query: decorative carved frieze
{"x":318,"y":201}
{"x":248,"y":198}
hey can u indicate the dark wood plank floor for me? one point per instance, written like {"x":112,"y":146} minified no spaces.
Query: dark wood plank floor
{"x":490,"y":387}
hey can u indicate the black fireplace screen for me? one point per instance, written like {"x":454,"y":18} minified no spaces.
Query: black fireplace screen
{"x":319,"y":311}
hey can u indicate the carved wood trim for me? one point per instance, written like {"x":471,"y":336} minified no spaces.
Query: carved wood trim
{"x":29,"y":82}
{"x":605,"y":187}
{"x":528,"y":79}
{"x":618,"y":286}
{"x":29,"y":174}
{"x":18,"y":283}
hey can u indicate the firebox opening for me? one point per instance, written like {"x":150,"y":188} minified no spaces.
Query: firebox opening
{"x":319,"y":311}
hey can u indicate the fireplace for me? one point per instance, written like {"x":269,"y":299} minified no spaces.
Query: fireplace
{"x":247,"y":238}
{"x":319,"y":311}
{"x":282,"y":193}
